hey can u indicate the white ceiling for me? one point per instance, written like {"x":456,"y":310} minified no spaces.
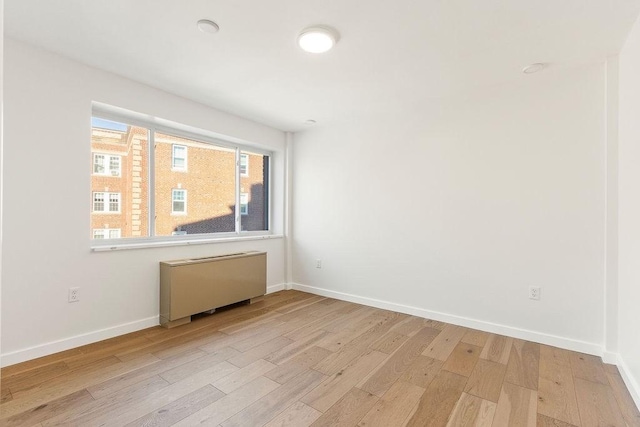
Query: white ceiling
{"x":391,"y":55}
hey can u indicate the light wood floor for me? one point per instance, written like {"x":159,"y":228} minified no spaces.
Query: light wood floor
{"x":298,"y":359}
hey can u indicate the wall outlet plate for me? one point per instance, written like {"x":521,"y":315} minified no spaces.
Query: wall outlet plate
{"x":534,"y":293}
{"x":74,"y":294}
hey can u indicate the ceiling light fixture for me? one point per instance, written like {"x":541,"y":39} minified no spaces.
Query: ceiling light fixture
{"x":310,"y":122}
{"x":534,"y":68}
{"x":208,"y":26}
{"x":317,"y":39}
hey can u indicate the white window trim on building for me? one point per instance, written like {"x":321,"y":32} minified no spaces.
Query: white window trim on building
{"x":113,"y":233}
{"x":107,"y":169}
{"x":107,"y":199}
{"x":244,"y":163}
{"x":244,"y":203}
{"x":174,"y":157}
{"x":173,"y":200}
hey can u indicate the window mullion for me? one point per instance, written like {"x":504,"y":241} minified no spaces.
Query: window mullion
{"x":237,"y":209}
{"x":151,"y":179}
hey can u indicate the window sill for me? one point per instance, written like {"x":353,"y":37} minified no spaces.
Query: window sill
{"x":193,"y":241}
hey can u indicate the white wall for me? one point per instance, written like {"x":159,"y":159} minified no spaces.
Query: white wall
{"x":629,"y":212}
{"x":46,"y":245}
{"x":454,"y":209}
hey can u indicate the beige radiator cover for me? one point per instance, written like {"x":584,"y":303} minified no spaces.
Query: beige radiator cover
{"x":191,"y":286}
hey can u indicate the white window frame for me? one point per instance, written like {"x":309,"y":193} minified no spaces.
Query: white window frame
{"x":106,"y":202}
{"x":244,"y":207}
{"x":157,"y":125}
{"x":107,"y":164}
{"x":107,"y":232}
{"x":246,"y":164}
{"x":173,"y":200}
{"x":173,"y":157}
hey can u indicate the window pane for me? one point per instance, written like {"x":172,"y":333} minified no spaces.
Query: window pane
{"x":106,"y":233}
{"x":255,"y":185}
{"x":179,"y":201}
{"x":179,"y":160}
{"x":98,"y":163}
{"x":98,"y":202}
{"x":114,"y":202}
{"x":209,"y":183}
{"x":114,"y":165}
{"x":244,"y":203}
{"x":120,"y":177}
{"x":244,"y":164}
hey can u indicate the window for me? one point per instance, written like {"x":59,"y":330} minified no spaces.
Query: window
{"x":244,"y":204}
{"x":106,"y":233}
{"x":122,"y":150}
{"x":106,"y":164}
{"x":150,"y":198}
{"x":179,"y":201}
{"x":244,"y":165}
{"x":179,"y":158}
{"x":114,"y":165}
{"x":254,"y":197}
{"x":106,"y":202}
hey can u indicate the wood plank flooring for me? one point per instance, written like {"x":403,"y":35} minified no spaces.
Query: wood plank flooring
{"x":295,"y":359}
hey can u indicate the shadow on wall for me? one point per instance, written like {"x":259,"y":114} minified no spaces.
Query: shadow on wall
{"x":256,"y":218}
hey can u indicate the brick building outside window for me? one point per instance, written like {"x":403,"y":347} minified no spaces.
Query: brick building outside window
{"x":195,"y":185}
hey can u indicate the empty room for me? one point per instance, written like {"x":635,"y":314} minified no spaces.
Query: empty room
{"x":339,"y":213}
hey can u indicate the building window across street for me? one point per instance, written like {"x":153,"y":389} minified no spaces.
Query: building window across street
{"x":179,"y":159}
{"x":106,"y":233}
{"x":106,"y":202}
{"x":244,"y":164}
{"x":244,"y":204}
{"x":106,"y":164}
{"x":179,"y":201}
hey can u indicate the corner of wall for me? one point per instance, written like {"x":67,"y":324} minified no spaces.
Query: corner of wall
{"x":611,"y":207}
{"x":629,"y":380}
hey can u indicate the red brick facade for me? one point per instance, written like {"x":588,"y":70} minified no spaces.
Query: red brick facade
{"x":206,"y":178}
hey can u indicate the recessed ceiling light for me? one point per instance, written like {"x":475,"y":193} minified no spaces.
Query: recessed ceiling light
{"x":534,"y":68}
{"x":317,"y":39}
{"x":207,"y":26}
{"x":310,"y":122}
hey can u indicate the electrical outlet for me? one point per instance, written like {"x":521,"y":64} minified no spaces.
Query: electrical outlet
{"x":534,"y":292}
{"x":74,"y":294}
{"x":318,"y":263}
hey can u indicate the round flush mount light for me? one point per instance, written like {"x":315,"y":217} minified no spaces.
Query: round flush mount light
{"x":310,"y":122}
{"x":317,"y":39}
{"x":208,"y":26}
{"x":534,"y":68}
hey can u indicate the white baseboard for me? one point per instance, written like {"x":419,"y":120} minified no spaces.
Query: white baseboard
{"x":276,"y":288}
{"x":610,"y":357}
{"x":556,"y":341}
{"x":79,"y":340}
{"x":629,"y":380}
{"x":76,"y":341}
